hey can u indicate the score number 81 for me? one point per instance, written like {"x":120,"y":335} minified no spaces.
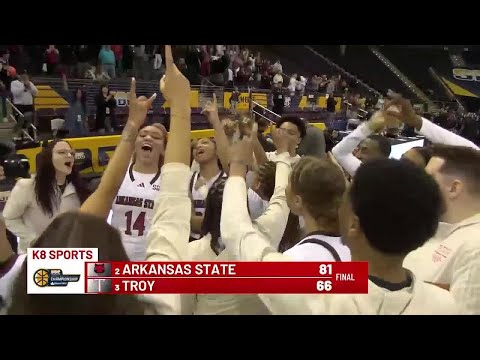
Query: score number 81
{"x":324,"y":285}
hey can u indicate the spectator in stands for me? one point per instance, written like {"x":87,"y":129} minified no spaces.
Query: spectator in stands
{"x":127,"y":59}
{"x":4,"y":74}
{"x":314,"y":83}
{"x":76,"y":118}
{"x":107,"y":61}
{"x":229,"y":78}
{"x":52,"y":58}
{"x":118,"y":51}
{"x":4,"y":95}
{"x":323,"y":83}
{"x":277,"y":68}
{"x":106,"y":104}
{"x":301,"y":84}
{"x":68,"y":60}
{"x":278,"y":99}
{"x":292,"y":85}
{"x":81,"y":53}
{"x":330,"y":89}
{"x":157,"y":62}
{"x":234,"y":99}
{"x":469,"y":128}
{"x":266,"y":79}
{"x":139,"y":62}
{"x":23,"y":91}
{"x":205,"y":62}
{"x":5,"y":56}
{"x":5,"y":81}
{"x":331,"y":107}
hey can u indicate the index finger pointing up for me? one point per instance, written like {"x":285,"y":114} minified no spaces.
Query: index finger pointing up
{"x":133,"y":88}
{"x":168,"y":56}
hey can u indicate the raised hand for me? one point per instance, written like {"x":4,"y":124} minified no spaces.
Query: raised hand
{"x":280,"y":139}
{"x":377,"y":122}
{"x":174,"y":86}
{"x":210,"y":110}
{"x":138,"y":107}
{"x":403,"y":110}
{"x":241,"y":152}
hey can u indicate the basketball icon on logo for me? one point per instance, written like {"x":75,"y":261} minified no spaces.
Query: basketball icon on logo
{"x":41,"y":277}
{"x":99,"y":268}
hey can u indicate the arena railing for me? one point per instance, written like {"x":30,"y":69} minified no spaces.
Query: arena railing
{"x":50,"y":102}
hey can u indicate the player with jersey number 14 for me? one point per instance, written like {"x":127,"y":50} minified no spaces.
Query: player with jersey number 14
{"x":132,"y":209}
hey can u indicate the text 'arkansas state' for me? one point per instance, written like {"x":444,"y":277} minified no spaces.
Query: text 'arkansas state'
{"x":134,"y":201}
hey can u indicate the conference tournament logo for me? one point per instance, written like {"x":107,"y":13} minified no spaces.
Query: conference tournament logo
{"x":53,"y":277}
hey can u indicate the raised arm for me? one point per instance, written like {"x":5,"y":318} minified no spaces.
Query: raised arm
{"x":432,"y":132}
{"x":168,"y":237}
{"x":343,"y":150}
{"x":273,"y":221}
{"x":245,"y":243}
{"x":170,"y":228}
{"x":100,"y":202}
{"x":242,"y":240}
{"x":211,"y":111}
{"x":258,"y":151}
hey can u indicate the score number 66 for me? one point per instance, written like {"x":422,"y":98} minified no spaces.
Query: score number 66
{"x":324,"y":285}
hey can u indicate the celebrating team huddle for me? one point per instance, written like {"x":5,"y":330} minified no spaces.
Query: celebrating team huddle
{"x":227,"y":199}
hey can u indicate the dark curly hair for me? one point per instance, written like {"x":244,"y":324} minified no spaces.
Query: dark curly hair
{"x":396,"y":218}
{"x":46,"y":189}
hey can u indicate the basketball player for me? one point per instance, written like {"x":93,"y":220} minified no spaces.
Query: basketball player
{"x":132,"y":209}
{"x":370,"y":144}
{"x":205,"y":154}
{"x":295,"y":128}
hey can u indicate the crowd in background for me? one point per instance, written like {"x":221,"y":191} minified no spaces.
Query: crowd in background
{"x":230,"y":66}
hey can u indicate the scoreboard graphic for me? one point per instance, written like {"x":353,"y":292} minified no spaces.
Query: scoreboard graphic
{"x":226,"y":278}
{"x":79,"y":271}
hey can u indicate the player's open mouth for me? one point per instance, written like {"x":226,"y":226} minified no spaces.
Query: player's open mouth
{"x":147,"y":147}
{"x":200,"y":151}
{"x":69,"y":164}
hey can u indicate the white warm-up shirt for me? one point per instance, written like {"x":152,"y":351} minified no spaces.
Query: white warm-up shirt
{"x":436,"y":134}
{"x":245,"y":244}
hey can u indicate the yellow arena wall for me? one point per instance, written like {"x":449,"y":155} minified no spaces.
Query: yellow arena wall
{"x":100,"y":148}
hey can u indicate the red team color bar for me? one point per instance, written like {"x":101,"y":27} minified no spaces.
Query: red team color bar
{"x":226,"y":277}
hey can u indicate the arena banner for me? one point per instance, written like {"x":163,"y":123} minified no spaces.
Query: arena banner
{"x":462,"y":81}
{"x":244,"y":99}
